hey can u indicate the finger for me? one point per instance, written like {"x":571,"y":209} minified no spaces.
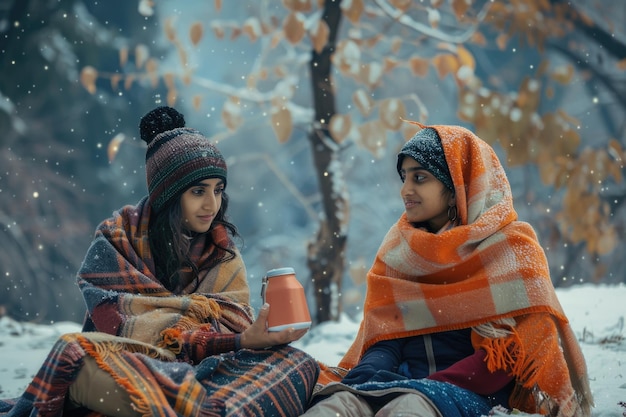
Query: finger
{"x":291,"y":334}
{"x":264,"y":311}
{"x":283,"y":336}
{"x":298,"y":334}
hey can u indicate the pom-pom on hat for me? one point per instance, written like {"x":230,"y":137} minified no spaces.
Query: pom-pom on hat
{"x":425,"y":147}
{"x":177,"y":156}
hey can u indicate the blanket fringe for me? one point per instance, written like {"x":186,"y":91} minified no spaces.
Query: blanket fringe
{"x":203,"y":309}
{"x":199,"y":312}
{"x":140,"y":406}
{"x":170,"y":340}
{"x":508,"y":354}
{"x":100,"y":352}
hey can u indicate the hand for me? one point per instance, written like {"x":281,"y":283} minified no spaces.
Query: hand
{"x":258,"y":337}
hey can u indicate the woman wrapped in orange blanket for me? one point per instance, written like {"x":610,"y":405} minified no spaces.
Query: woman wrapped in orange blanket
{"x":460,"y":315}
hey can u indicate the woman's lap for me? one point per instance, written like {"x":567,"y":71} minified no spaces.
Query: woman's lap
{"x":390,"y":398}
{"x":348,"y":404}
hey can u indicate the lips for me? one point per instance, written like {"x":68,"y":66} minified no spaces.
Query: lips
{"x":410,"y":204}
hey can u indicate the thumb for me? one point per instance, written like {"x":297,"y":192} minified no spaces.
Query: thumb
{"x":264,"y":311}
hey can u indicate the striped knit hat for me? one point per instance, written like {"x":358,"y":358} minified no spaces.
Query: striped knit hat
{"x":425,"y":147}
{"x":177,"y":156}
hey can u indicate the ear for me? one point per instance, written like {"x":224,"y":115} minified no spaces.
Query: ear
{"x":452,"y":199}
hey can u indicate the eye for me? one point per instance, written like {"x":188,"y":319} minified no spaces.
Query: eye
{"x":218,"y":190}
{"x":197,"y":191}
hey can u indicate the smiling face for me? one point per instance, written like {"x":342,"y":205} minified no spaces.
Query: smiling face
{"x":200,"y":204}
{"x":426,"y":199}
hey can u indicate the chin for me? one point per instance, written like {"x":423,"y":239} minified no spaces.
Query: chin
{"x":412,"y":219}
{"x":198,"y":230}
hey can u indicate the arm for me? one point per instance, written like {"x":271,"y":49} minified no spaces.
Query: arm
{"x":194,"y":345}
{"x":471,"y":373}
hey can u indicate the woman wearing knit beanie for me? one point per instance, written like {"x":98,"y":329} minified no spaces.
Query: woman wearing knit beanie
{"x":169,"y":328}
{"x":460,"y":316}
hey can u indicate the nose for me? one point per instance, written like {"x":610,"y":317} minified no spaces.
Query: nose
{"x":406,"y":189}
{"x":209,"y":202}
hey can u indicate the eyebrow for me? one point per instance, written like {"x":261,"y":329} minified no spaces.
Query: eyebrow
{"x":202,"y":184}
{"x":413,"y":169}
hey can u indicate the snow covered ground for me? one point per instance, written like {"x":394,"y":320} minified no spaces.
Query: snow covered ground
{"x":597,"y":314}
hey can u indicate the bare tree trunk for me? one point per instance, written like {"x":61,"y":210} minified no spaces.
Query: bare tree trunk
{"x":326,"y":254}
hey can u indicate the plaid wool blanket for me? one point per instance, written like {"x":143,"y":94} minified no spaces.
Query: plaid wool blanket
{"x":164,"y":349}
{"x":272,"y":382}
{"x":480,"y":274}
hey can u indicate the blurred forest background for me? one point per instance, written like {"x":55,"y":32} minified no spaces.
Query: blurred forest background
{"x":306,"y":99}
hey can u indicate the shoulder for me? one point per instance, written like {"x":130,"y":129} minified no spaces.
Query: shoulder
{"x":126,"y":217}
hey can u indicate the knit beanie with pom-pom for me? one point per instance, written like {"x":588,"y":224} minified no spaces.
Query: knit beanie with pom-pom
{"x":177,"y":156}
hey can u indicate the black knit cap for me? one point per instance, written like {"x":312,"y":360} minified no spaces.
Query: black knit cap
{"x":177,"y":156}
{"x":425,"y":147}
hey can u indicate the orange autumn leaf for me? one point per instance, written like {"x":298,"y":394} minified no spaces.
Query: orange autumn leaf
{"x":298,"y":5}
{"x":88,"y":77}
{"x":170,"y":33}
{"x":151,"y":69}
{"x":128,"y":81}
{"x":282,"y":123}
{"x":479,"y":39}
{"x":319,"y":36}
{"x":141,"y":55}
{"x":340,"y":126}
{"x":465,"y":57}
{"x":114,"y":146}
{"x":253,"y":28}
{"x":123,"y":53}
{"x":363,"y":101}
{"x":445,"y":64}
{"x":353,"y":10}
{"x":115,"y":81}
{"x":197,"y":101}
{"x":168,"y":79}
{"x":563,"y":74}
{"x":392,"y":112}
{"x":502,"y":40}
{"x":293,"y":28}
{"x":460,"y":8}
{"x":195,"y":33}
{"x":419,"y":66}
{"x":373,"y":137}
{"x":231,"y":114}
{"x":218,"y":29}
{"x":402,"y":5}
{"x":172,"y":96}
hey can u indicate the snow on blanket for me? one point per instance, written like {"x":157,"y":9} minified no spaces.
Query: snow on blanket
{"x":597,"y":314}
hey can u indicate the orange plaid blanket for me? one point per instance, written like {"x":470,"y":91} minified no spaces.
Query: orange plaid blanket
{"x":489,"y":268}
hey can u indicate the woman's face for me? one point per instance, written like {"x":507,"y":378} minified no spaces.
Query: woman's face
{"x":426,"y":199}
{"x":200,"y":204}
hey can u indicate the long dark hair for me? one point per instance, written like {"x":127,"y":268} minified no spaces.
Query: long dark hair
{"x":170,"y":242}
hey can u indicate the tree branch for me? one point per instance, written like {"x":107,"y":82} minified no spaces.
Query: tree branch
{"x":406,"y":20}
